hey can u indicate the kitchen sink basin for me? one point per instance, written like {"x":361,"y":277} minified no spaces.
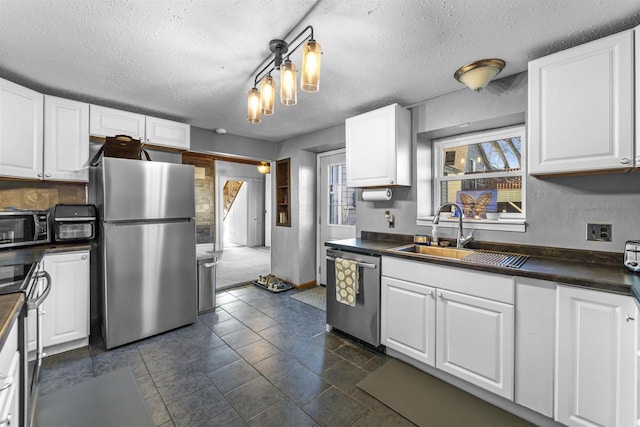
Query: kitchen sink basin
{"x":499,"y":259}
{"x":433,"y":251}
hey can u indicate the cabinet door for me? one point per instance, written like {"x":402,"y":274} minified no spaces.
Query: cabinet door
{"x":168,"y":133}
{"x":105,"y":121}
{"x":475,"y":341}
{"x":408,"y":319}
{"x":20,"y":131}
{"x":374,"y":141}
{"x":581,"y":108}
{"x":596,"y":358}
{"x":66,"y":139}
{"x":66,"y":316}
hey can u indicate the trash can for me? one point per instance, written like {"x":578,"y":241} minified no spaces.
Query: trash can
{"x":207,"y":284}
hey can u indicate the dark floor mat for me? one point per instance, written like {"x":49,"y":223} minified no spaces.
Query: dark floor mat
{"x":428,"y":401}
{"x":112,"y":399}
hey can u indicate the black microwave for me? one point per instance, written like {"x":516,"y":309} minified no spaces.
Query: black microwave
{"x":23,"y":228}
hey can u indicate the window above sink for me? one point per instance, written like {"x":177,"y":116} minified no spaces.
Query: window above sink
{"x":483,"y":172}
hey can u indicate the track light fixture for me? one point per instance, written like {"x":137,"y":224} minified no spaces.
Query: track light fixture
{"x":262,"y":101}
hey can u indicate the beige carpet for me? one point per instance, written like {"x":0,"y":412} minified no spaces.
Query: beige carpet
{"x":316,"y":297}
{"x":428,"y":401}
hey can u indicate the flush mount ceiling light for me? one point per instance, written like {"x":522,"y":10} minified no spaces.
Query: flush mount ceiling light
{"x":264,"y":167}
{"x":262,"y":101}
{"x":478,"y":74}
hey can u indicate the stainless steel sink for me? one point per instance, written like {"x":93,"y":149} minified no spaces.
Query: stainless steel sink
{"x":499,"y":259}
{"x":433,"y":251}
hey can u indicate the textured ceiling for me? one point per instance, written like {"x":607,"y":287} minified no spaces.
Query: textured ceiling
{"x":194,"y":61}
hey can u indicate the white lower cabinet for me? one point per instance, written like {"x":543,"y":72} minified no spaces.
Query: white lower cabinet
{"x":475,"y":341}
{"x":596,"y":358}
{"x":65,"y":322}
{"x":10,"y":380}
{"x":439,"y":316}
{"x":404,"y":303}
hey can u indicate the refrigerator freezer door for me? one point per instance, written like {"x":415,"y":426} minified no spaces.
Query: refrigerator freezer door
{"x":150,"y":279}
{"x":141,"y":190}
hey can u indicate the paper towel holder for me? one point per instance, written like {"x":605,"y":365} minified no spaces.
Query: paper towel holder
{"x":377,"y":194}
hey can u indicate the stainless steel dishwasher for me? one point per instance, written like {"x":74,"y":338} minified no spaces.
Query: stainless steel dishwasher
{"x":363,"y":320}
{"x":207,"y":284}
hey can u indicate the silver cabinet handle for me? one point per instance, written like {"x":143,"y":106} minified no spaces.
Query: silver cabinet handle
{"x":209,"y":264}
{"x":431,"y":293}
{"x":42,"y":312}
{"x":84,"y":257}
{"x":630,"y":318}
{"x":360,"y":264}
{"x":47,"y":175}
{"x":6,"y":386}
{"x":39,"y":174}
{"x":440,"y":295}
{"x":624,"y":161}
{"x":6,"y":421}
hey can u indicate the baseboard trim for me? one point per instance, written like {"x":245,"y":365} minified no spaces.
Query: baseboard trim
{"x":306,"y":285}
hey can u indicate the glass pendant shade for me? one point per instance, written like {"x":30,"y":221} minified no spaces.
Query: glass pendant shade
{"x":311,"y":55}
{"x":288,"y":82}
{"x":267,"y":95}
{"x":253,"y":106}
{"x":264,"y":167}
{"x":477,"y":75}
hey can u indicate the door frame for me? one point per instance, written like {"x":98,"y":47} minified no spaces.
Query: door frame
{"x":318,"y":212}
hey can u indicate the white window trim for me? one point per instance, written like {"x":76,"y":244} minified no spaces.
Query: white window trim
{"x":513,"y":222}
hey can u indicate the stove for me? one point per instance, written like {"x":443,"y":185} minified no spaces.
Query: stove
{"x":13,"y":277}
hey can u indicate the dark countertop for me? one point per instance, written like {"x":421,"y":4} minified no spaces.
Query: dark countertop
{"x":10,"y":305}
{"x":29,"y":254}
{"x":593,"y":275}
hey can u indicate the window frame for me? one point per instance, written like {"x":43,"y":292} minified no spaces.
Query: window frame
{"x":508,"y":221}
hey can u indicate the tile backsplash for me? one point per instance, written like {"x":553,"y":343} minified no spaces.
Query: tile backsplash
{"x":40,"y":194}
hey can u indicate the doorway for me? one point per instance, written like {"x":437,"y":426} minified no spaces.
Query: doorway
{"x":336,"y":206}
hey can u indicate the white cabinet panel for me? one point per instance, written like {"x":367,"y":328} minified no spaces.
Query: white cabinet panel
{"x":535,"y":344}
{"x":20,"y":131}
{"x":475,"y":341}
{"x":596,"y":358}
{"x":168,"y":133}
{"x":66,"y":139}
{"x":581,"y":112}
{"x":408,"y":319}
{"x":105,"y":122}
{"x":378,"y":147}
{"x":66,"y":317}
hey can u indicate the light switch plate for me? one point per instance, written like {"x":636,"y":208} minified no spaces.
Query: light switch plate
{"x":599,"y":232}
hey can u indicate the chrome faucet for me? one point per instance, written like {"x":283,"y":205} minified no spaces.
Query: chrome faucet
{"x":461,"y":240}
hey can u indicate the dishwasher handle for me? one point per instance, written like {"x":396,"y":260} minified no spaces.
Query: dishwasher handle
{"x":358,"y":263}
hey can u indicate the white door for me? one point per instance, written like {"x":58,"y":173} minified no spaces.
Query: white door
{"x":475,"y":341}
{"x":66,"y":309}
{"x":256,"y":213}
{"x":404,"y":303}
{"x":66,"y":139}
{"x":336,"y":206}
{"x":21,"y":111}
{"x":596,"y":359}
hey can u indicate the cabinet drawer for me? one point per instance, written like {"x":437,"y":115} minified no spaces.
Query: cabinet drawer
{"x":492,"y":286}
{"x":8,"y":392}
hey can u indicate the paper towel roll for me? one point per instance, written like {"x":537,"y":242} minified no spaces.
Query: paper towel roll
{"x":377,"y":194}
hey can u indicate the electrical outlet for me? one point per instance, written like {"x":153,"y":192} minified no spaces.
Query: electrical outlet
{"x":599,"y":232}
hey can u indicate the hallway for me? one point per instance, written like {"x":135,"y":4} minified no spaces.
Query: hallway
{"x":241,"y":264}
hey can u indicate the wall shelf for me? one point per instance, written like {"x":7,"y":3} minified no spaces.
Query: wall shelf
{"x":283,"y":196}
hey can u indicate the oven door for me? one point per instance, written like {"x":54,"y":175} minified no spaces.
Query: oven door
{"x":38,"y":293}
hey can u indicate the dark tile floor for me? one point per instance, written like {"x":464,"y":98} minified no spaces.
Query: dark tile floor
{"x":261,"y":359}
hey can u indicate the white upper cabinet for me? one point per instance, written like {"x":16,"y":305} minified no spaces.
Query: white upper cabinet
{"x":105,"y":122}
{"x":581,"y":108}
{"x":150,"y":130}
{"x":66,"y":139}
{"x":378,"y":147}
{"x":168,"y":133}
{"x":596,"y":359}
{"x":20,"y":131}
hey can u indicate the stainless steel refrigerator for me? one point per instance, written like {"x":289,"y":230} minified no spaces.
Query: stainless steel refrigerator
{"x":147,"y":247}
